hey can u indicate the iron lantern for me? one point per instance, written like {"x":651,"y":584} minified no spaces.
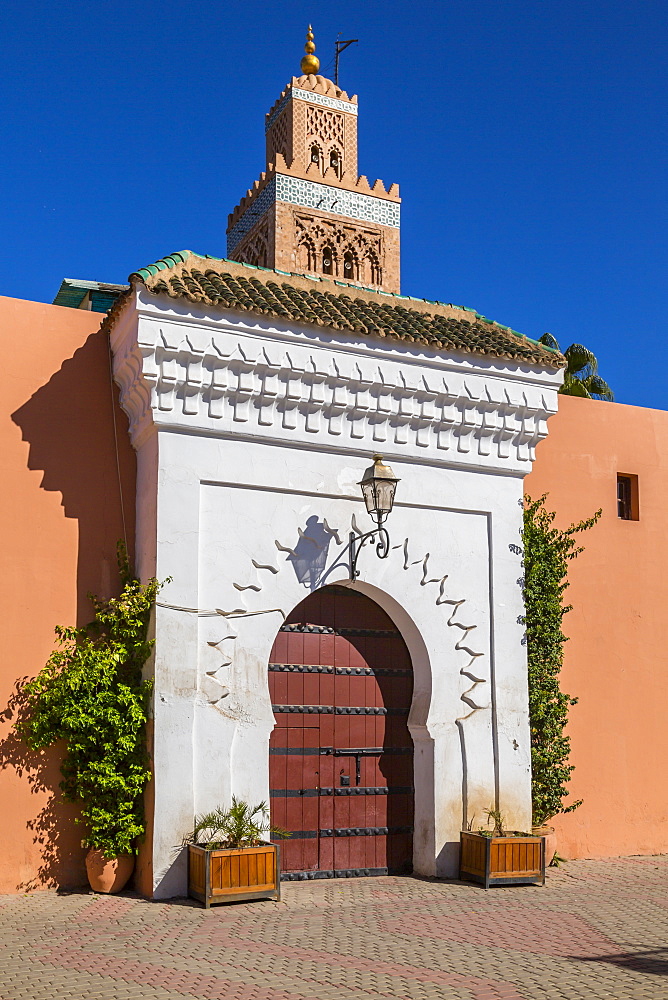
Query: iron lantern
{"x":378,"y":486}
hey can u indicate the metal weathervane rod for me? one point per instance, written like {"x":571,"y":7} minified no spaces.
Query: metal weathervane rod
{"x":339,"y":46}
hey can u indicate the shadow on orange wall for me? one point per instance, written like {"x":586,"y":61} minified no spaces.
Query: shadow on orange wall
{"x":63,"y":476}
{"x":53,"y":830}
{"x":69,"y":425}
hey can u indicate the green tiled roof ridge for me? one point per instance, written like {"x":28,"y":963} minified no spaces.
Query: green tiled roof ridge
{"x":182,"y":255}
{"x":330,"y":303}
{"x":144,"y":273}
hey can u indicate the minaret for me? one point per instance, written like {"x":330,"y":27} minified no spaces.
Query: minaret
{"x":310,"y":212}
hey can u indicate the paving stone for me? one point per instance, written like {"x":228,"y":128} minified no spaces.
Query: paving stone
{"x":598,"y":930}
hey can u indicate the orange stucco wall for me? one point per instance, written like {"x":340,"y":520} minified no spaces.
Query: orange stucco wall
{"x":616,"y":661}
{"x":61,"y":511}
{"x":61,"y":515}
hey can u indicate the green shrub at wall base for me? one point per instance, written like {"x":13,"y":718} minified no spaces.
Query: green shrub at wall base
{"x":547,"y":552}
{"x":91,"y":694}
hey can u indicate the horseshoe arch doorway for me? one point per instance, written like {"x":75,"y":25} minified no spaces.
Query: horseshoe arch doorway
{"x":341,"y":755}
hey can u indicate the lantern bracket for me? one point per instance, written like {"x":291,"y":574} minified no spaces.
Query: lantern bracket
{"x":357,"y":543}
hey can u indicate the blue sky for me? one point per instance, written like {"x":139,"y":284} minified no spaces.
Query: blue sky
{"x":528,"y":139}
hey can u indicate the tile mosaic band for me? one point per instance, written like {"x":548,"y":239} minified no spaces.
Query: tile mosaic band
{"x":310,"y":194}
{"x":307,"y":95}
{"x":251,"y":216}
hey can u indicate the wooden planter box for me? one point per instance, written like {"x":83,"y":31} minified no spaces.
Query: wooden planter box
{"x":226,"y":876}
{"x":501,"y":860}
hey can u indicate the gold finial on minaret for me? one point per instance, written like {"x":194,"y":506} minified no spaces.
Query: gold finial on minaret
{"x":310,"y":63}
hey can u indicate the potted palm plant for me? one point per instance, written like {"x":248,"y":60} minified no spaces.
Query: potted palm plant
{"x":501,"y":857}
{"x":230,"y":857}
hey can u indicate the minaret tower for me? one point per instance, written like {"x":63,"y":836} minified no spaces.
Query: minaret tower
{"x":310,"y":212}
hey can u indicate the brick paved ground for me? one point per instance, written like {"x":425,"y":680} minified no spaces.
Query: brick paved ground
{"x":598,"y":929}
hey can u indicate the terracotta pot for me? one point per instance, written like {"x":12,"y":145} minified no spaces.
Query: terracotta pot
{"x":108,"y":874}
{"x":550,"y":838}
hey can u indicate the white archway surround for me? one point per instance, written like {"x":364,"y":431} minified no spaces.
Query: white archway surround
{"x":251,"y":437}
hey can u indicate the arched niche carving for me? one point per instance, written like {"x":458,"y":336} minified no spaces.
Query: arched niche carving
{"x":329,"y":260}
{"x":306,"y":254}
{"x":350,"y":265}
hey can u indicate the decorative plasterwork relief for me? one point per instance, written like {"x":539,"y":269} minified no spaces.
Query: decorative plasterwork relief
{"x":265,"y":388}
{"x":305,"y":95}
{"x":254,"y":249}
{"x":325,"y":124}
{"x":359,"y":247}
{"x":279,"y":140}
{"x":471,"y":697}
{"x":214,"y":682}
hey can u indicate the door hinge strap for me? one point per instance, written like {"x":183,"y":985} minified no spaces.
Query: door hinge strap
{"x":338,"y":710}
{"x":321,"y":668}
{"x":381,"y":633}
{"x":366,"y":831}
{"x":340,"y":873}
{"x":290,"y":793}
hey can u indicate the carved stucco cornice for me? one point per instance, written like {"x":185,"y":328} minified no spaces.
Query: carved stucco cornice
{"x":231,"y":377}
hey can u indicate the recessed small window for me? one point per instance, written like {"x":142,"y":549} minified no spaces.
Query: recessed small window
{"x":627,"y":498}
{"x":335,"y":162}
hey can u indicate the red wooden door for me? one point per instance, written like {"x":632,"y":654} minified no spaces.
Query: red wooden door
{"x":341,"y":756}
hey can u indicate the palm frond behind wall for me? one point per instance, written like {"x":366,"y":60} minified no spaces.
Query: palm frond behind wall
{"x":581,"y":377}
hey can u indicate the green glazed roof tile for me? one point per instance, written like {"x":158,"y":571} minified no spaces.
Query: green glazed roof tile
{"x":335,"y":305}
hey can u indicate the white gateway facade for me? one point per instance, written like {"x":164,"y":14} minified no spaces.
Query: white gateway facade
{"x":252,"y":432}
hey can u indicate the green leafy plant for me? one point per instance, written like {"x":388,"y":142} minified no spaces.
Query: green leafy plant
{"x":581,"y":376}
{"x":91,"y":695}
{"x":239,"y":826}
{"x":547,"y":553}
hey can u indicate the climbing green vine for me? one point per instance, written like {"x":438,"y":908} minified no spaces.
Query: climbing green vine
{"x":547,"y":552}
{"x":91,"y":694}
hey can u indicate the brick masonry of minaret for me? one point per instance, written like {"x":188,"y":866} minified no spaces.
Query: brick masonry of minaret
{"x":295,"y":125}
{"x":311,"y":134}
{"x":273,"y":242}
